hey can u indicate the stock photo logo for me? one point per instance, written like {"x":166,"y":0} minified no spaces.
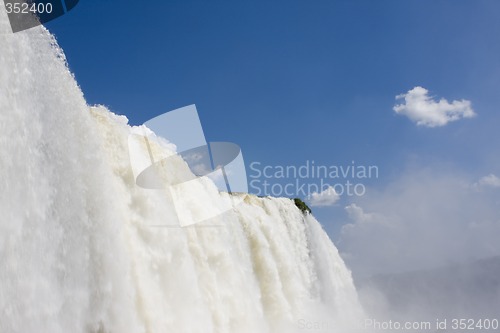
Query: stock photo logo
{"x":216,"y":166}
{"x":26,"y":14}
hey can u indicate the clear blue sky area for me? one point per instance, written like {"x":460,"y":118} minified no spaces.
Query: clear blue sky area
{"x":291,"y":81}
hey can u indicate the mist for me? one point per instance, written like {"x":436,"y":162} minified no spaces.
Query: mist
{"x":425,"y":247}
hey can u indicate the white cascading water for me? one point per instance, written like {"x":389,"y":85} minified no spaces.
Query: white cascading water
{"x":79,"y":250}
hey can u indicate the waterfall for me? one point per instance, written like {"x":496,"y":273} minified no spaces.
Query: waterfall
{"x":84,"y":249}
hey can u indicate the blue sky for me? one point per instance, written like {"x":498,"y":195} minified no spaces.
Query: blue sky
{"x":291,"y":81}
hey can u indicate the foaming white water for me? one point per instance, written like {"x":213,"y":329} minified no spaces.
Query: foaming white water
{"x":80,"y":246}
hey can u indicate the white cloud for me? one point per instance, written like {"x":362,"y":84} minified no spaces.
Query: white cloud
{"x":424,"y":219}
{"x":194,"y":157}
{"x":357,"y":214}
{"x":425,"y":111}
{"x":488,"y":181}
{"x":326,"y":198}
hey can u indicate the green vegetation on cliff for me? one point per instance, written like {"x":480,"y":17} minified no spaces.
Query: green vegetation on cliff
{"x":302,"y":205}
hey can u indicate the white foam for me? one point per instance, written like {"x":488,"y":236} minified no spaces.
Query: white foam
{"x":83,"y":249}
